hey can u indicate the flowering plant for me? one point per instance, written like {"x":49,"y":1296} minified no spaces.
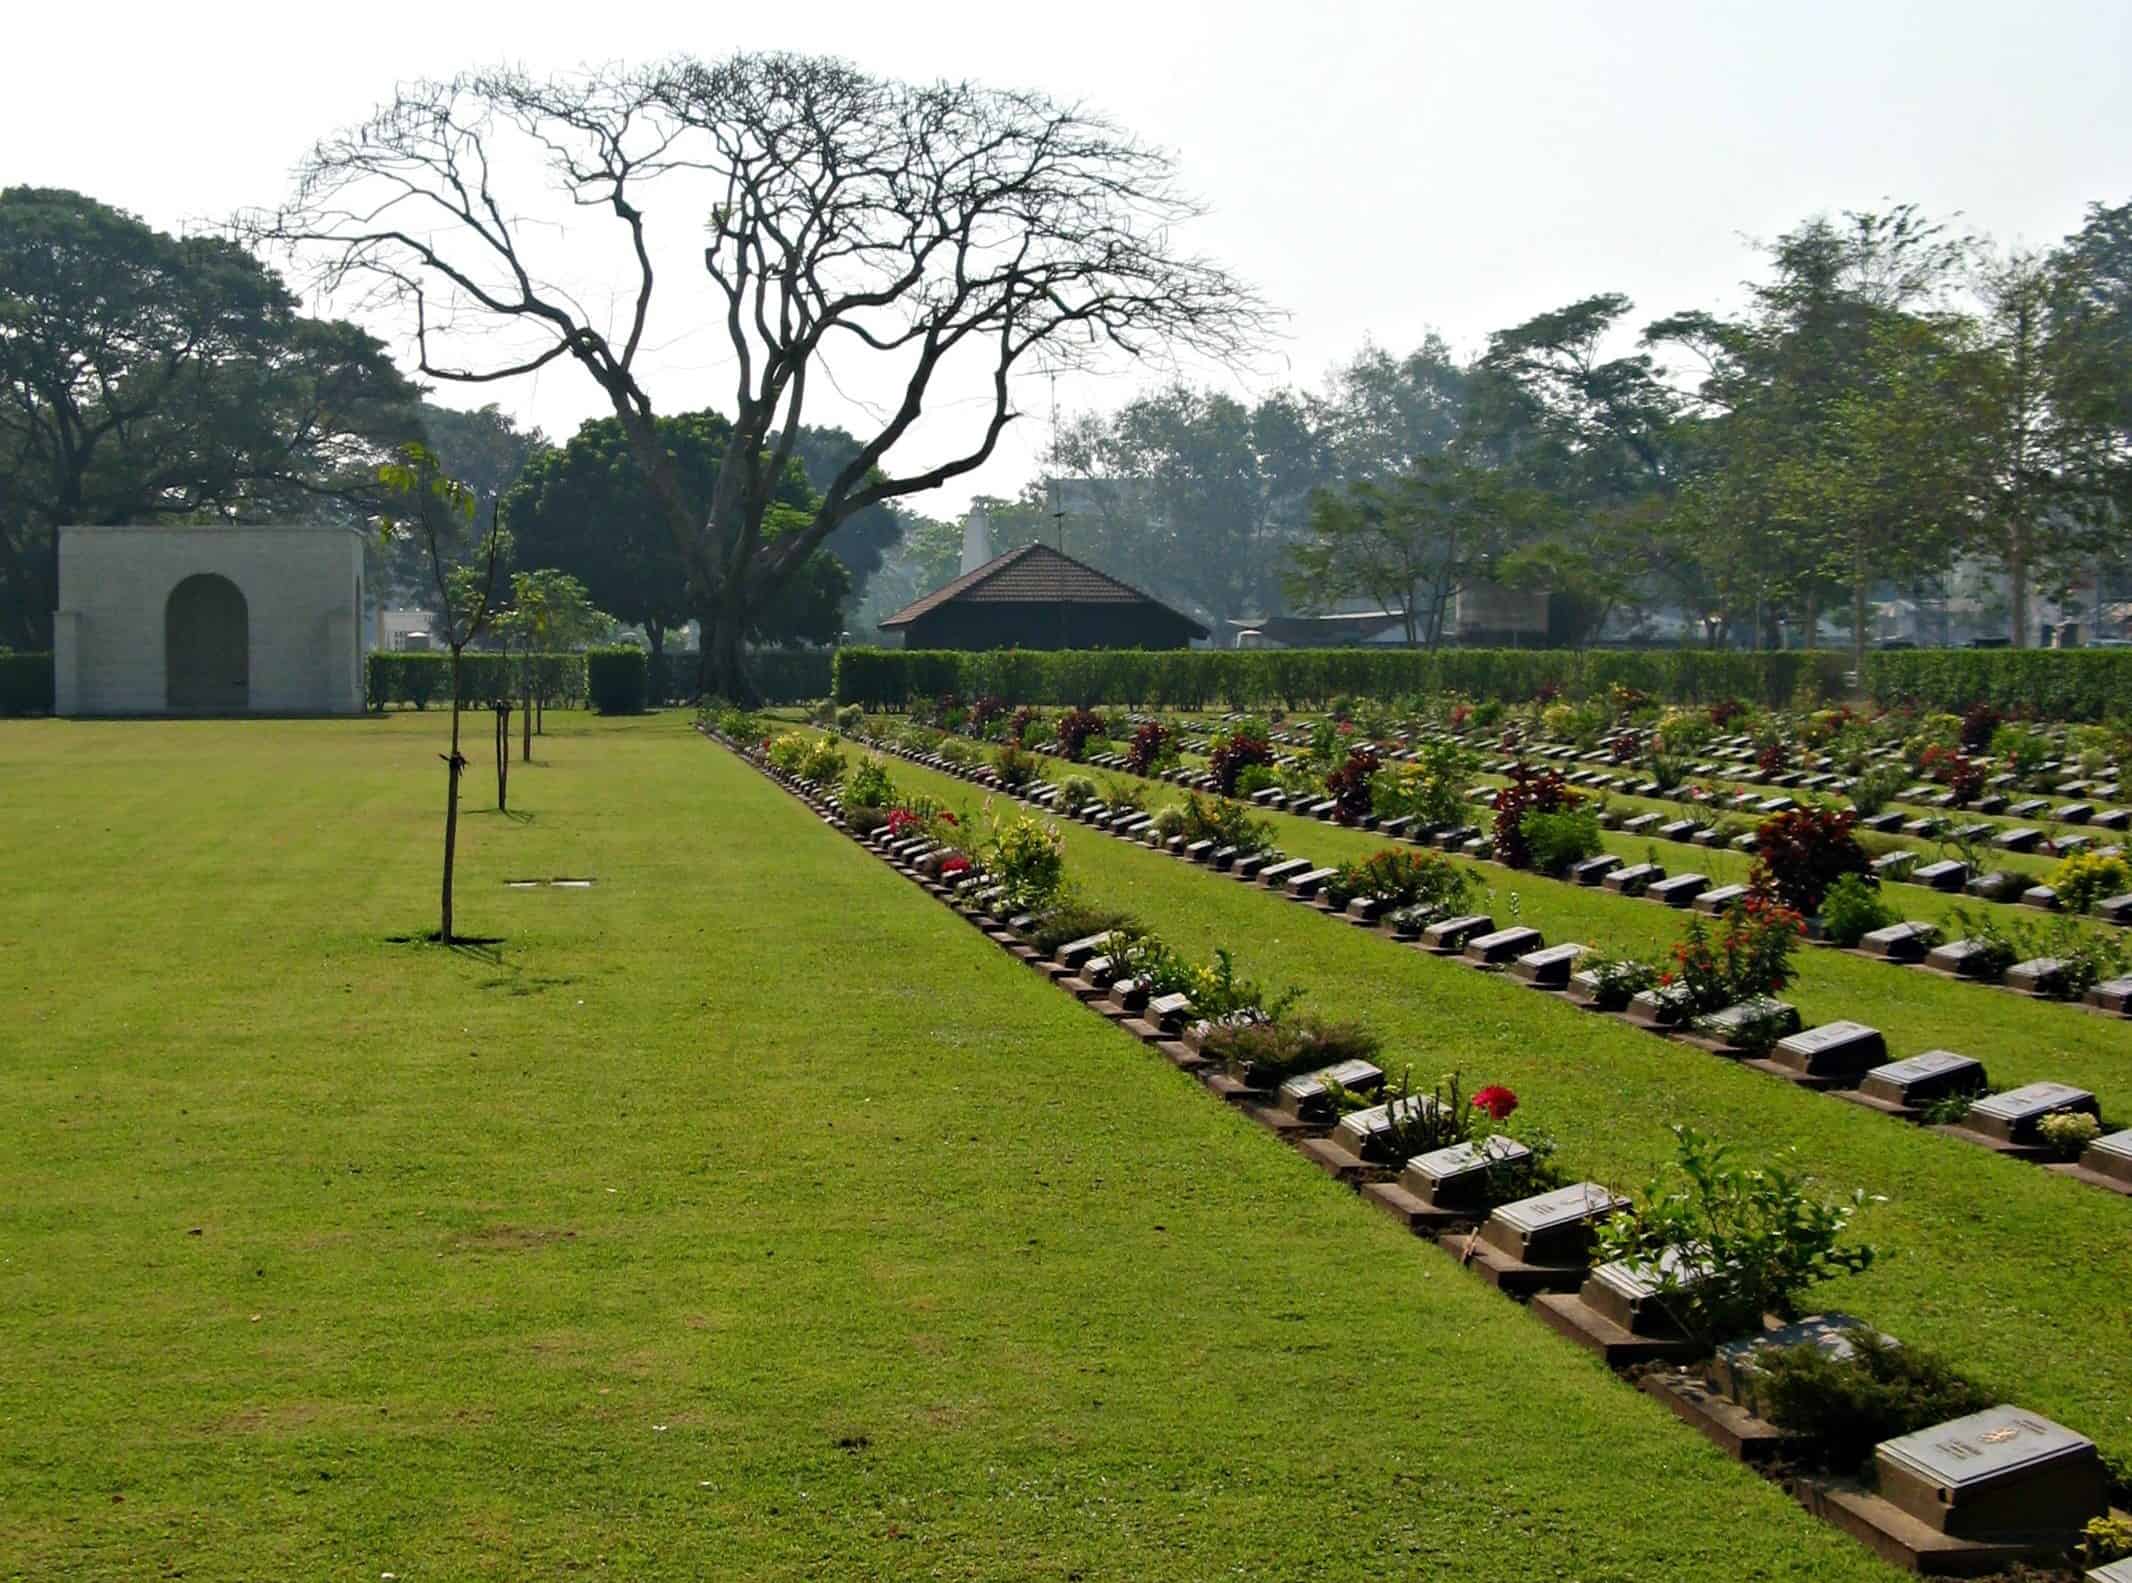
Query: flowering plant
{"x":1750,"y":956}
{"x":1529,"y":791}
{"x":1076,"y":726}
{"x":1801,"y":853}
{"x":1349,"y":785}
{"x":1496,"y":1101}
{"x":954,"y":863}
{"x":1233,"y":754}
{"x":1151,"y":748}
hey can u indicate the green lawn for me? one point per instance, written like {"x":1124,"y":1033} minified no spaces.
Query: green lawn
{"x":748,"y":1215}
{"x":2019,"y":1275}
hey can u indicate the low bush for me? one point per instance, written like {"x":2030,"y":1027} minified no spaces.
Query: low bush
{"x":1226,"y":823}
{"x":1558,"y":840}
{"x":1843,"y":1406}
{"x":1265,"y":1054}
{"x":1075,"y":727}
{"x":1801,"y":853}
{"x":1872,"y":791}
{"x":1406,"y":879}
{"x":1349,"y":785}
{"x":1026,"y":858}
{"x":1233,"y":754}
{"x":867,"y":785}
{"x":2088,"y":877}
{"x":1530,"y":791}
{"x":1725,"y":1243}
{"x":1431,"y":790}
{"x":26,"y":684}
{"x":1853,"y":909}
{"x":615,"y":680}
{"x":1071,"y":917}
{"x":1749,"y":956}
{"x":1152,"y":749}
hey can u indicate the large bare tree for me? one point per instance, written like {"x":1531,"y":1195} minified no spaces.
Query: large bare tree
{"x":923,"y":227}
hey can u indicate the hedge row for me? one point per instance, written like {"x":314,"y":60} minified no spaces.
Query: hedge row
{"x":615,"y":678}
{"x":25,"y":684}
{"x":1304,"y":678}
{"x":2049,"y":684}
{"x":423,"y":679}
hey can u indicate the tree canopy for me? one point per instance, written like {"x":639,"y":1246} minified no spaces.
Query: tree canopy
{"x":146,"y":377}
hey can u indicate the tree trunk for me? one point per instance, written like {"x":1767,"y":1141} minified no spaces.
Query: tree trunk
{"x":2017,"y":582}
{"x":503,"y":757}
{"x":723,"y":671}
{"x":525,"y":748}
{"x":453,"y":765}
{"x":1858,"y":610}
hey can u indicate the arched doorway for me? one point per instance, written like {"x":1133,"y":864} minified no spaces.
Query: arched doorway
{"x":207,"y":646}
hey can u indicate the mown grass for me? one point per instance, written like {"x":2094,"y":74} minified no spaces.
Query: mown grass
{"x":2021,"y":1276}
{"x":747,"y":1215}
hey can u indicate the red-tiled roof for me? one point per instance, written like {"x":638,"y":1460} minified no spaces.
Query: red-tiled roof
{"x":1035,"y":574}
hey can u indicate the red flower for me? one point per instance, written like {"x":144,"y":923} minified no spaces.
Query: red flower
{"x":946,"y":818}
{"x":1497,"y":1100}
{"x":954,"y":863}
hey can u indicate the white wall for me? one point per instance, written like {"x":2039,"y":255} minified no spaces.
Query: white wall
{"x":301,"y":589}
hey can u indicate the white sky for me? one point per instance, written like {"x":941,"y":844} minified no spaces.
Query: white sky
{"x":1376,"y":169}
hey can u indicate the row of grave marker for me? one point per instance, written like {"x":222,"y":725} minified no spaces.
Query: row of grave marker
{"x":2005,"y":1123}
{"x":2002,"y":1485}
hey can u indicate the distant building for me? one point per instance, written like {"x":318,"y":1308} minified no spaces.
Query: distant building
{"x":1037,"y":598}
{"x":217,"y":619}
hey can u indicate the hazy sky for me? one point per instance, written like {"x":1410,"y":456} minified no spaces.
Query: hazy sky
{"x":1377,"y":169}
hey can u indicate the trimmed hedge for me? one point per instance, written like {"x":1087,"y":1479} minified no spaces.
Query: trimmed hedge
{"x":25,"y":684}
{"x":1303,"y":678}
{"x":781,"y":676}
{"x":423,"y":679}
{"x":615,"y":678}
{"x":2048,"y":684}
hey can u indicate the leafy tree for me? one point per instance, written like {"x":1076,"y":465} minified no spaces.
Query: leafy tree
{"x":432,"y":505}
{"x":864,"y":538}
{"x":919,"y":227}
{"x":589,"y":509}
{"x":145,"y":377}
{"x":1410,"y":543}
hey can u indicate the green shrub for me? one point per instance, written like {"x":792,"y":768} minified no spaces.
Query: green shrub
{"x":25,"y":684}
{"x":1406,"y":879}
{"x":1071,"y":917}
{"x":615,"y":679}
{"x":1876,"y":788}
{"x":2045,"y":684}
{"x":1266,"y":1054}
{"x":1027,"y":860}
{"x":1853,"y":909}
{"x":2088,"y":877}
{"x":1723,"y":1244}
{"x":1845,"y":1406}
{"x":867,"y":785}
{"x":1556,"y":840}
{"x":890,"y":679}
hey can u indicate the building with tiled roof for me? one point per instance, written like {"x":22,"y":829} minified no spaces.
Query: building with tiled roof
{"x":1037,"y":597}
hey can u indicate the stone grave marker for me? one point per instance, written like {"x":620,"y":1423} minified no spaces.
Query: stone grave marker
{"x":2022,"y":838}
{"x":1963,"y":958}
{"x":1451,"y":934}
{"x":1922,"y":1079}
{"x":2114,"y":995}
{"x":1274,"y":875}
{"x":1591,"y":870}
{"x":1714,"y":903}
{"x":2011,"y":1117}
{"x":2110,"y":1155}
{"x":1552,"y":1228}
{"x":1367,"y":1134}
{"x":1734,"y":1364}
{"x":2003,"y":1471}
{"x":1501,"y":945}
{"x":1678,"y":891}
{"x":1305,"y":886}
{"x":1547,"y":969}
{"x":1757,"y":1015}
{"x":1633,"y":880}
{"x":1304,"y":1096}
{"x":1900,"y":942}
{"x":1835,"y":1051}
{"x":1458,"y":1178}
{"x":2041,"y":976}
{"x":1947,"y":874}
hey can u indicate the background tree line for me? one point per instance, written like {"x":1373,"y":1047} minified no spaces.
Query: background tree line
{"x":1891,"y":400}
